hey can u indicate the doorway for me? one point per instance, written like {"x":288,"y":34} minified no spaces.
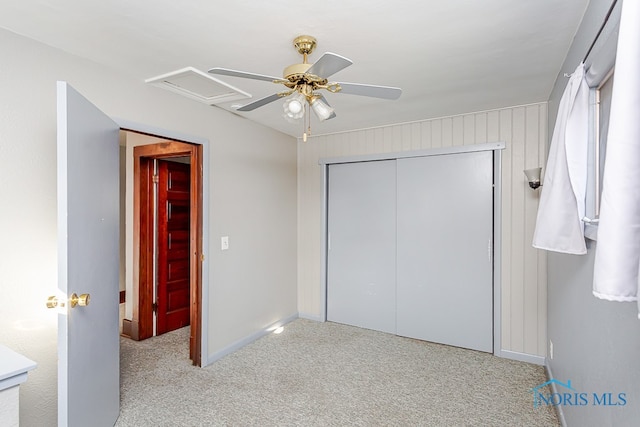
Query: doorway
{"x":87,"y":176}
{"x":179,"y":295}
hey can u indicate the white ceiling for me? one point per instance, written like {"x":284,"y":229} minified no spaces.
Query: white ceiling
{"x":448,"y":56}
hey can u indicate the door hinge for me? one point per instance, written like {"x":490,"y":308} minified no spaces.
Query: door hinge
{"x":154,"y":307}
{"x":155,"y":179}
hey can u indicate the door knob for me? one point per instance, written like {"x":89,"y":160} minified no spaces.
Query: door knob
{"x":82,"y":300}
{"x":54,"y":302}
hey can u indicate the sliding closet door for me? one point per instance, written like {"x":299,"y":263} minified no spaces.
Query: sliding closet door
{"x":445,"y":229}
{"x":361,"y":266}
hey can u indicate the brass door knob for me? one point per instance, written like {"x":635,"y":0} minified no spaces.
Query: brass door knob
{"x":53,"y":302}
{"x":82,"y":300}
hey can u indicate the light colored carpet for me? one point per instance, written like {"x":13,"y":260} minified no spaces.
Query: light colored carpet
{"x":326,"y":374}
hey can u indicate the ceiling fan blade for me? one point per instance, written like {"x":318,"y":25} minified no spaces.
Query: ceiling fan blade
{"x":242,"y":74}
{"x":384,"y":92}
{"x":259,"y":103}
{"x":328,"y":65}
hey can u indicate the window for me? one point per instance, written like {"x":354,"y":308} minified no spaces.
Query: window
{"x":603,"y":111}
{"x":600,"y":108}
{"x":599,"y":66}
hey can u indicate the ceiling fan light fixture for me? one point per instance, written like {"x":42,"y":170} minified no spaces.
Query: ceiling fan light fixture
{"x":321,"y":109}
{"x":294,"y":106}
{"x":304,"y":83}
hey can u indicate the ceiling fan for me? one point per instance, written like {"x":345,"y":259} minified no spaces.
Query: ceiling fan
{"x":303,"y":81}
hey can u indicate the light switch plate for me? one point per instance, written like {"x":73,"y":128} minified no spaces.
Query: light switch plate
{"x":224,"y":243}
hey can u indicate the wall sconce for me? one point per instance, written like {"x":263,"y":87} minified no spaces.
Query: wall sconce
{"x":533,"y":176}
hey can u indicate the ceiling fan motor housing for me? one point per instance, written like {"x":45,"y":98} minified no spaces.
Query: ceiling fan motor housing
{"x":296,"y":69}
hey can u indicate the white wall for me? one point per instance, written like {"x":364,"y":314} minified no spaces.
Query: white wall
{"x":524,"y":130}
{"x":252,"y":200}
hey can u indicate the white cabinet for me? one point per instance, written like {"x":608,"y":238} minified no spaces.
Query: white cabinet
{"x":13,"y":372}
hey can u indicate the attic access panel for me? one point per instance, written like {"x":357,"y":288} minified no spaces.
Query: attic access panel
{"x":197,"y":85}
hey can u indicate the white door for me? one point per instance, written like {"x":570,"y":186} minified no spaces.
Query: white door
{"x":361,"y":274}
{"x":88,"y":262}
{"x":445,"y":259}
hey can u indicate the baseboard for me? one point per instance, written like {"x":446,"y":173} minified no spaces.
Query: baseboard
{"x":126,"y":328}
{"x":308,"y":316}
{"x":522,"y":357}
{"x":249,"y":339}
{"x":554,"y":388}
{"x":130,"y":329}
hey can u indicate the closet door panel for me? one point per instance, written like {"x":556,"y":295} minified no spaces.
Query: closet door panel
{"x":361,"y":267}
{"x":444,"y":262}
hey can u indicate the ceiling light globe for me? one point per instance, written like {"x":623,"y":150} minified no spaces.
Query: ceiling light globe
{"x":323,"y":110}
{"x":295,"y":106}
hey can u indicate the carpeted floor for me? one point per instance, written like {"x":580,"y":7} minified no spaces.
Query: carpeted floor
{"x":326,"y":374}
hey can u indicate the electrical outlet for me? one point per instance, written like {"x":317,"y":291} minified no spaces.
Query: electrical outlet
{"x":551,"y":349}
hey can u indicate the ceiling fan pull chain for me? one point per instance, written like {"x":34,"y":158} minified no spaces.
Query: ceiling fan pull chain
{"x":308,"y":131}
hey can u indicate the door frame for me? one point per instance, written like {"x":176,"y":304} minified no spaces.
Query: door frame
{"x":143,"y":236}
{"x":197,"y":149}
{"x":497,"y":148}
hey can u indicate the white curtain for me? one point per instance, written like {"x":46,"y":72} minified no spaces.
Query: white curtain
{"x":617,"y":264}
{"x":559,"y":225}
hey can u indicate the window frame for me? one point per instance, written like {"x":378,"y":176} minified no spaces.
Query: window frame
{"x":599,"y":68}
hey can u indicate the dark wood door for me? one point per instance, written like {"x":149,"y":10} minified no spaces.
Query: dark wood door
{"x":173,"y":246}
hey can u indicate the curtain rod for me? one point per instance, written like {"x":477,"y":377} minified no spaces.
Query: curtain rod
{"x":606,"y":19}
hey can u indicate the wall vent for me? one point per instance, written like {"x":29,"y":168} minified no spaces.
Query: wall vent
{"x":195,"y":84}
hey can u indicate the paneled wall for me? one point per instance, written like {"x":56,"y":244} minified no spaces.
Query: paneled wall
{"x":524,"y":130}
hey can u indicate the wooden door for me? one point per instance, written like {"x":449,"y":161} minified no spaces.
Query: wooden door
{"x":88,"y":262}
{"x":173,"y":246}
